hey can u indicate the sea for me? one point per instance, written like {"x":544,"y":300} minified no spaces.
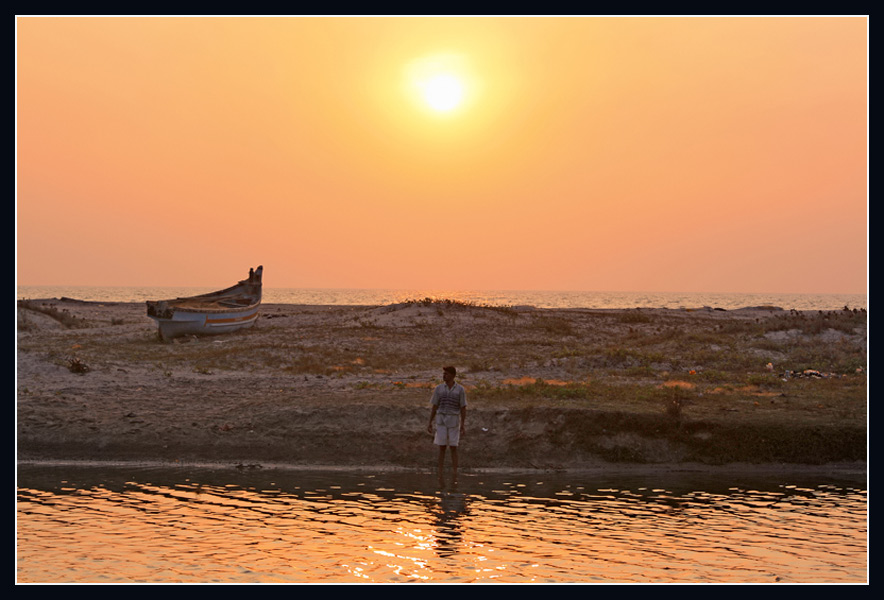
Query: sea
{"x":512,"y":298}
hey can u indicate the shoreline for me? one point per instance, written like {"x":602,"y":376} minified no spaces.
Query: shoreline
{"x":546,"y":299}
{"x":854,"y":469}
{"x":550,"y":390}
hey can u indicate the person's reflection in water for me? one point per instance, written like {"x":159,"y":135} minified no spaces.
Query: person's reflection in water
{"x":448,"y":508}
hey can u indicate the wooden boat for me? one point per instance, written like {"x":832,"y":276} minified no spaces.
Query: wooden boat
{"x":216,"y":312}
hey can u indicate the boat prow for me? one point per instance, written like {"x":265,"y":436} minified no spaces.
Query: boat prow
{"x":223,"y":311}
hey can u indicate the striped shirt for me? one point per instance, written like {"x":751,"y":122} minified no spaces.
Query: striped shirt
{"x":448,"y":400}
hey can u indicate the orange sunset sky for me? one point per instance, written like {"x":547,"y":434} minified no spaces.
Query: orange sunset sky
{"x":720,"y":154}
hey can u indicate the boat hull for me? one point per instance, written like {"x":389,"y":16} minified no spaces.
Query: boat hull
{"x":203,"y":323}
{"x":223,"y":311}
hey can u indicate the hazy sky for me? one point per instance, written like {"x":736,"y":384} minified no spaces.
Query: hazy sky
{"x":632,"y":154}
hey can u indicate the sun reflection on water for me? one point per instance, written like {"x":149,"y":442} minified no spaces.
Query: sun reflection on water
{"x":491,"y":529}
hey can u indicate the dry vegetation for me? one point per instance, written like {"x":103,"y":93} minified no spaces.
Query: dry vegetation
{"x":547,"y":388}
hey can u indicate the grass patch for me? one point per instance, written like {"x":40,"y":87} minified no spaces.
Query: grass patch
{"x":555,"y":326}
{"x":634,"y":316}
{"x":63,"y":316}
{"x":442,"y":304}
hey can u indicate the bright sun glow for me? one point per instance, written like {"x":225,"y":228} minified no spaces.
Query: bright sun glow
{"x":443,"y":92}
{"x":440,"y":82}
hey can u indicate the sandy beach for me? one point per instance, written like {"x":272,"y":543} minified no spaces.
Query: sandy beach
{"x":349,"y":386}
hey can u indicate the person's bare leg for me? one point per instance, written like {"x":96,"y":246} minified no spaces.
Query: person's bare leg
{"x":454,"y":465}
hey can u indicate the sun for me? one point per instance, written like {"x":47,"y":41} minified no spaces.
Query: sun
{"x":443,"y":92}
{"x":440,"y":83}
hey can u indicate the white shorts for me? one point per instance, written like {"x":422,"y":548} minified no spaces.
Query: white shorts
{"x":447,"y":430}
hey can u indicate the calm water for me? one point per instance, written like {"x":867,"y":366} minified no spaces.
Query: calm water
{"x":203,"y":525}
{"x":539,"y":299}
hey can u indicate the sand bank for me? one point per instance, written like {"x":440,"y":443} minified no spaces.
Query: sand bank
{"x":349,"y":386}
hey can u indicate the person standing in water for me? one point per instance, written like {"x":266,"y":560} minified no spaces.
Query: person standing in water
{"x":448,"y":412}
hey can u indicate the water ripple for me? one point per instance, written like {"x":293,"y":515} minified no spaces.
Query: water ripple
{"x":307,"y":529}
